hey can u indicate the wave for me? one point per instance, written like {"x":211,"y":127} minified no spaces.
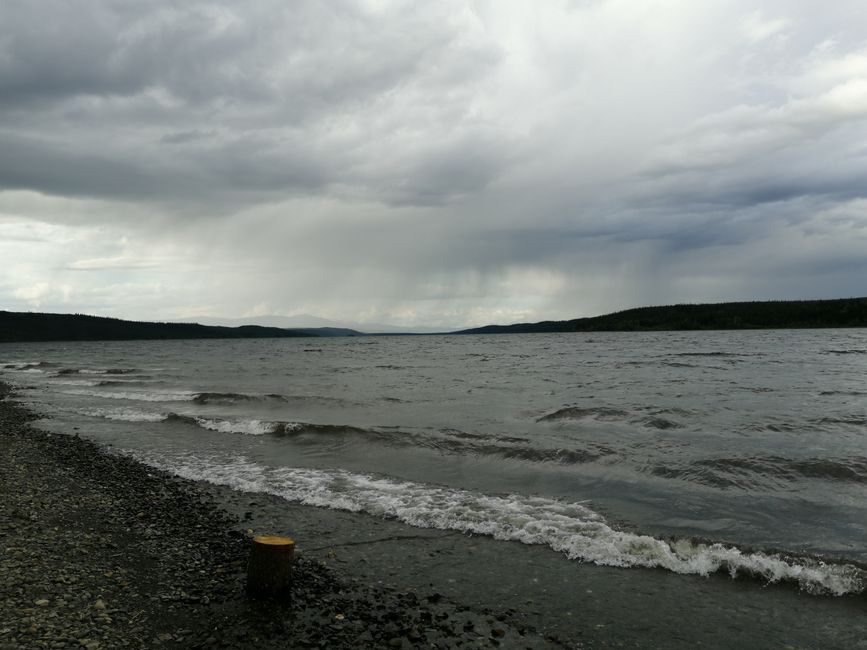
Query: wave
{"x":231,"y":398}
{"x":179,"y":396}
{"x":453,"y":442}
{"x":570,"y":528}
{"x":448,"y":441}
{"x":582,"y":413}
{"x":96,"y":371}
{"x":256,"y":426}
{"x":73,"y":382}
{"x":64,"y":381}
{"x":715,"y":354}
{"x":25,"y":365}
{"x":852,"y":351}
{"x":252,"y":427}
{"x":136,"y":381}
{"x":776,"y":427}
{"x":656,"y":422}
{"x":124,"y":414}
{"x":748,"y":472}
{"x":846,"y":420}
{"x":206,"y":398}
{"x":607,"y":414}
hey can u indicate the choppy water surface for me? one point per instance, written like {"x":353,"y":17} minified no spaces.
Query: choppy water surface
{"x":694,"y":452}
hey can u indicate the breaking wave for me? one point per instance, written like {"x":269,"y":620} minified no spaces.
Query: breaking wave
{"x":570,"y":528}
{"x":25,"y":365}
{"x":251,"y":427}
{"x":176,"y":396}
{"x":124,"y":414}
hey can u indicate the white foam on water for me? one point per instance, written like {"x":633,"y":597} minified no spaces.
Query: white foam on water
{"x":124,"y":415}
{"x":24,"y":369}
{"x":249,"y":427}
{"x":571,"y":528}
{"x":22,"y":366}
{"x":181,"y":396}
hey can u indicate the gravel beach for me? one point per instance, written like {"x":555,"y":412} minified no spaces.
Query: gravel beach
{"x":98,"y":551}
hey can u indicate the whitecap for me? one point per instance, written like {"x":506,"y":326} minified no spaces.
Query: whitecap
{"x":570,"y":528}
{"x":180,"y":396}
{"x":251,"y":427}
{"x":124,"y":415}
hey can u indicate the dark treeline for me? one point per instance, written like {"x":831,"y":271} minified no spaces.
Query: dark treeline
{"x":28,"y":326}
{"x":777,"y":314}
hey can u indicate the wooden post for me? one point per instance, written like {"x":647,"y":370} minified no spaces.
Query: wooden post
{"x":269,"y":572}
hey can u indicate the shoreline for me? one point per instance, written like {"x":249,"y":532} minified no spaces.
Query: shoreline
{"x":100,"y":551}
{"x":166,"y":556}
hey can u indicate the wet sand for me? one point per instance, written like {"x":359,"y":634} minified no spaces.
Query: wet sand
{"x":99,"y":551}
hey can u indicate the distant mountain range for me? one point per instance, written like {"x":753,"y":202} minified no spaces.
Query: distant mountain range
{"x":774,"y":314}
{"x":309,"y":322}
{"x":807,"y":314}
{"x":29,"y":326}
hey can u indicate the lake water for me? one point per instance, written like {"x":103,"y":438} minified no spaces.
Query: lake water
{"x":694,"y":452}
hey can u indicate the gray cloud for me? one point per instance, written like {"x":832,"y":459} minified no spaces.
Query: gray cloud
{"x":269,"y":99}
{"x":451,"y":163}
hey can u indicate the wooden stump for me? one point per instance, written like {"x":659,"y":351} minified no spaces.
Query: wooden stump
{"x":269,"y":572}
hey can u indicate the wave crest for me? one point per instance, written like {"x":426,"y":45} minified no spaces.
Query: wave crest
{"x":570,"y":528}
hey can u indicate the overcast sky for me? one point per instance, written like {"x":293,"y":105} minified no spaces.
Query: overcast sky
{"x":438,"y":163}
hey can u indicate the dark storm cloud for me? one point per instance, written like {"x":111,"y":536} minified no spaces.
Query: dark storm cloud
{"x":519,"y":158}
{"x":271,"y":98}
{"x":27,"y":163}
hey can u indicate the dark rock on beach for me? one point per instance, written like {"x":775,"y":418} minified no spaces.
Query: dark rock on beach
{"x":98,"y":551}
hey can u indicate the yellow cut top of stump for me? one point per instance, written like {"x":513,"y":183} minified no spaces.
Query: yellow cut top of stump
{"x":274,"y":540}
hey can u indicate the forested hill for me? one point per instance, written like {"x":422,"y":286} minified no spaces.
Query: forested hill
{"x":795,"y":314}
{"x":28,"y":326}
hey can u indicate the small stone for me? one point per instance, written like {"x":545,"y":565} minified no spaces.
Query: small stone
{"x":339,"y":617}
{"x":42,"y":602}
{"x":497,"y":632}
{"x":99,"y":604}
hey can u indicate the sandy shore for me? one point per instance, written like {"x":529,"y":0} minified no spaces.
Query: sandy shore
{"x":98,"y":551}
